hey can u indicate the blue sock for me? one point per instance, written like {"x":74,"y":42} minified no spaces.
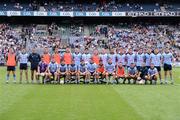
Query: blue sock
{"x":7,"y":77}
{"x":14,"y":76}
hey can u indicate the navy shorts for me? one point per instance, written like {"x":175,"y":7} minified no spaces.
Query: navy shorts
{"x":23,"y":66}
{"x":11,"y":68}
{"x":34,"y":67}
{"x":167,"y":67}
{"x":158,"y":68}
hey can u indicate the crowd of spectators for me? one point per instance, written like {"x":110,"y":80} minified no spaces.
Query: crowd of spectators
{"x":69,"y":6}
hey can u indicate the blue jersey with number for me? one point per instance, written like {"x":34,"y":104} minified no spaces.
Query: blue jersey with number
{"x":110,"y":68}
{"x":91,"y":67}
{"x":82,"y":68}
{"x":77,"y":58}
{"x":140,"y":59}
{"x":156,"y":59}
{"x":167,"y":58}
{"x":53,"y":66}
{"x":152,"y":71}
{"x":130,"y":59}
{"x":62,"y":67}
{"x":72,"y":68}
{"x":104,"y":58}
{"x":132,"y":70}
{"x":148,"y":59}
{"x":121,"y":58}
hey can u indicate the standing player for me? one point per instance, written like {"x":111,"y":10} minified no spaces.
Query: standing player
{"x":23,"y":61}
{"x":86,"y":56}
{"x":140,"y":59}
{"x":121,"y":57}
{"x":148,"y":58}
{"x":167,"y":63}
{"x":42,"y":69}
{"x":67,"y":56}
{"x":96,"y":57}
{"x":11,"y":64}
{"x":63,"y":72}
{"x":82,"y":71}
{"x":130,"y":57}
{"x":152,"y":74}
{"x":110,"y":71}
{"x":92,"y":71}
{"x":104,"y":56}
{"x":77,"y":57}
{"x":47,"y":56}
{"x":73,"y":71}
{"x":57,"y":56}
{"x":34,"y":59}
{"x":52,"y":71}
{"x":132,"y":74}
{"x":156,"y":59}
{"x":112,"y":56}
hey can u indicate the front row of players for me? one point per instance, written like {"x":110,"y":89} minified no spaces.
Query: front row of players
{"x":91,"y":72}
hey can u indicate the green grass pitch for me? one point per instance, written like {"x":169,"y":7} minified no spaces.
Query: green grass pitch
{"x":89,"y":102}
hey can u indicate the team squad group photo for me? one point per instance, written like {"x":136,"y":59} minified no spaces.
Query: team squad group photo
{"x":105,"y":66}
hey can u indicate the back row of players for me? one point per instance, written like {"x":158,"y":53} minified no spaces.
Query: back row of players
{"x":140,"y":67}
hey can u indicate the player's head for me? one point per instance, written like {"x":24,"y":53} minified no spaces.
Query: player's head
{"x":62,"y":62}
{"x":46,"y":50}
{"x":91,"y":61}
{"x":100,"y":62}
{"x":42,"y":58}
{"x":34,"y":50}
{"x":149,"y":51}
{"x":121,"y":50}
{"x":152,"y":65}
{"x":120,"y":65}
{"x":11,"y":50}
{"x":112,"y":51}
{"x":82,"y":61}
{"x":156,"y":50}
{"x":167,"y":50}
{"x":76,"y":50}
{"x":132,"y":65}
{"x":140,"y":51}
{"x":68,"y":50}
{"x":86,"y":51}
{"x":130,"y":51}
{"x":143,"y":64}
{"x":103,"y":51}
{"x":23,"y":50}
{"x":95,"y":52}
{"x":56,"y":50}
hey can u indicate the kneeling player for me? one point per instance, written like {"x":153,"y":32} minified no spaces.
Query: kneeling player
{"x":152,"y":74}
{"x":42,"y":68}
{"x":142,"y":74}
{"x":73,"y":71}
{"x":62,"y":72}
{"x":120,"y":73}
{"x":100,"y":72}
{"x":52,"y":71}
{"x":132,"y":74}
{"x":92,"y":71}
{"x":82,"y":71}
{"x":110,"y":71}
